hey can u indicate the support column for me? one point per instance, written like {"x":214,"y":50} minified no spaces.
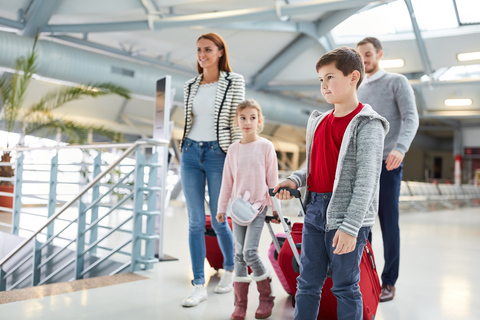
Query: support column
{"x":17,"y":195}
{"x":97,"y":168}
{"x":52,"y":193}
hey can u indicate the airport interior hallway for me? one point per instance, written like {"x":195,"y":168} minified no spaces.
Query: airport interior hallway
{"x":439,"y":278}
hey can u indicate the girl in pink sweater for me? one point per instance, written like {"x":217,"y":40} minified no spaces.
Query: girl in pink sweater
{"x":250,"y":168}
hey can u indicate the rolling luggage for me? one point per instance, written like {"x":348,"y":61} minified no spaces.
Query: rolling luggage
{"x":288,"y":261}
{"x":277,"y":243}
{"x":214,"y":254}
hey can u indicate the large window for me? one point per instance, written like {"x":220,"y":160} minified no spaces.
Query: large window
{"x":468,"y":72}
{"x":394,"y":18}
{"x":468,"y":11}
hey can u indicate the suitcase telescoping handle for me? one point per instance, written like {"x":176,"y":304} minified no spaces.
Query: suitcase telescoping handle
{"x":272,"y":234}
{"x":293,"y":192}
{"x":286,"y":228}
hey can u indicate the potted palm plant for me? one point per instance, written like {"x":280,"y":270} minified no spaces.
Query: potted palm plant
{"x":39,"y":118}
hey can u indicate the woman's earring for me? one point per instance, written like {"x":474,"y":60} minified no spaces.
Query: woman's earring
{"x":220,"y":56}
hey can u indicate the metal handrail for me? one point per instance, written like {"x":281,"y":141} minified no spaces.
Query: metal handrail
{"x":88,"y":146}
{"x":131,"y":148}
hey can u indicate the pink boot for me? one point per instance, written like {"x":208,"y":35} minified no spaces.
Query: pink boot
{"x":266,"y":299}
{"x":240,"y":286}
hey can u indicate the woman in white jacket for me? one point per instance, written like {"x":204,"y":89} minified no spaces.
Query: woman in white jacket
{"x":211,"y":100}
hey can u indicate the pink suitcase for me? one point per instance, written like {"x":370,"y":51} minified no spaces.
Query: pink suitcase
{"x":277,"y":243}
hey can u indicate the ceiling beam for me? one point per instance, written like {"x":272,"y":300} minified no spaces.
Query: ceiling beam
{"x":124,"y":53}
{"x":460,"y":83}
{"x":449,"y":115}
{"x":253,"y":14}
{"x":414,"y":83}
{"x":227,"y":18}
{"x":427,"y":66}
{"x":325,"y":25}
{"x":38,"y":14}
{"x":294,"y":87}
{"x":274,"y":26}
{"x":11,"y":23}
{"x":302,"y":43}
{"x":282,"y":59}
{"x":149,"y":6}
{"x":97,"y":27}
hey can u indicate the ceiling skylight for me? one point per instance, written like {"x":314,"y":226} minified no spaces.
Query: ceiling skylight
{"x":389,"y":18}
{"x":468,"y":11}
{"x":467,"y":72}
{"x":435,"y":14}
{"x":393,"y":18}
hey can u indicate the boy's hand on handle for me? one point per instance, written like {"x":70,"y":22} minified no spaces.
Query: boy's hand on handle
{"x":285,"y":194}
{"x":221,"y":217}
{"x":343,"y":242}
{"x":277,"y":219}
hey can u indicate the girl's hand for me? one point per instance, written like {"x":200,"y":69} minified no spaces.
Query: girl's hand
{"x":277,"y":219}
{"x":221,"y":217}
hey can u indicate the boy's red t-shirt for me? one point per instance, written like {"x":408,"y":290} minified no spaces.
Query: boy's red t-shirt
{"x":326,"y":147}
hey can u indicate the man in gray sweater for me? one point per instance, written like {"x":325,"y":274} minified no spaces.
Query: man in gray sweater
{"x":392,"y":97}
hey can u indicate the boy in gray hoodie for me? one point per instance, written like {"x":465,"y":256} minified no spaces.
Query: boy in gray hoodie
{"x":344,"y":157}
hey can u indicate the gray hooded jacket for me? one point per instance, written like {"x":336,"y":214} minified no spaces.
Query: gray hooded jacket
{"x":354,"y":201}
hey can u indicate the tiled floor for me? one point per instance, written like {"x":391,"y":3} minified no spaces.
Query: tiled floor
{"x":439,"y":278}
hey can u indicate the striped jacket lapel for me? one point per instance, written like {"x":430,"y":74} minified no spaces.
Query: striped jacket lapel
{"x":223,"y":85}
{"x":193,"y":91}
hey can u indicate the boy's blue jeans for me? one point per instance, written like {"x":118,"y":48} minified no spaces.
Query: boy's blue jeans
{"x":317,"y":257}
{"x":200,"y":162}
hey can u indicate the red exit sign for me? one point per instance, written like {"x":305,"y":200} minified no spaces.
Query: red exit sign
{"x":469,"y":151}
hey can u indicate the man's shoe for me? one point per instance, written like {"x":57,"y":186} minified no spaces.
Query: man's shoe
{"x":388,"y":292}
{"x":197,"y":295}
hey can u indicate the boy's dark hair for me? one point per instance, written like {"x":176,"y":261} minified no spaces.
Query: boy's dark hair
{"x":376,"y":43}
{"x":346,"y":60}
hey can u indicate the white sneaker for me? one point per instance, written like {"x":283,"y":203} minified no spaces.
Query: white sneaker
{"x":197,"y":295}
{"x":226,"y":283}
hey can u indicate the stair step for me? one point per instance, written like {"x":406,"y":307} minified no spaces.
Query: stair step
{"x":66,"y":287}
{"x":9,"y":241}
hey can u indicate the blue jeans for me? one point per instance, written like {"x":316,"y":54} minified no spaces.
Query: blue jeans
{"x":388,"y":214}
{"x":203,"y":162}
{"x":317,"y":258}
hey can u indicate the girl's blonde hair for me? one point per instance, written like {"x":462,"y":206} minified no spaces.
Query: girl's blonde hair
{"x":250,"y":103}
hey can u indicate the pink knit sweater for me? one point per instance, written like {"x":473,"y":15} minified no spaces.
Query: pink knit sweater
{"x":251,"y":166}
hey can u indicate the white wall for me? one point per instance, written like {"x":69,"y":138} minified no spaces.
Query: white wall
{"x":471,"y":137}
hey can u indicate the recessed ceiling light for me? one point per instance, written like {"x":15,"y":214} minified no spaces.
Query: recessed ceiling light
{"x":458,"y":102}
{"x":468,"y":56}
{"x":391,"y":63}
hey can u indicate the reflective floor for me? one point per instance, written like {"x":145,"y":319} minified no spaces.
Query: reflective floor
{"x":439,"y":278}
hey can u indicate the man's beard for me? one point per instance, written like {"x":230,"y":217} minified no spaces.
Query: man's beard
{"x":371,"y":68}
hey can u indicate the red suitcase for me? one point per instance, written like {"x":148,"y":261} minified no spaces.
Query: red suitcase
{"x":369,"y":281}
{"x":214,"y":254}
